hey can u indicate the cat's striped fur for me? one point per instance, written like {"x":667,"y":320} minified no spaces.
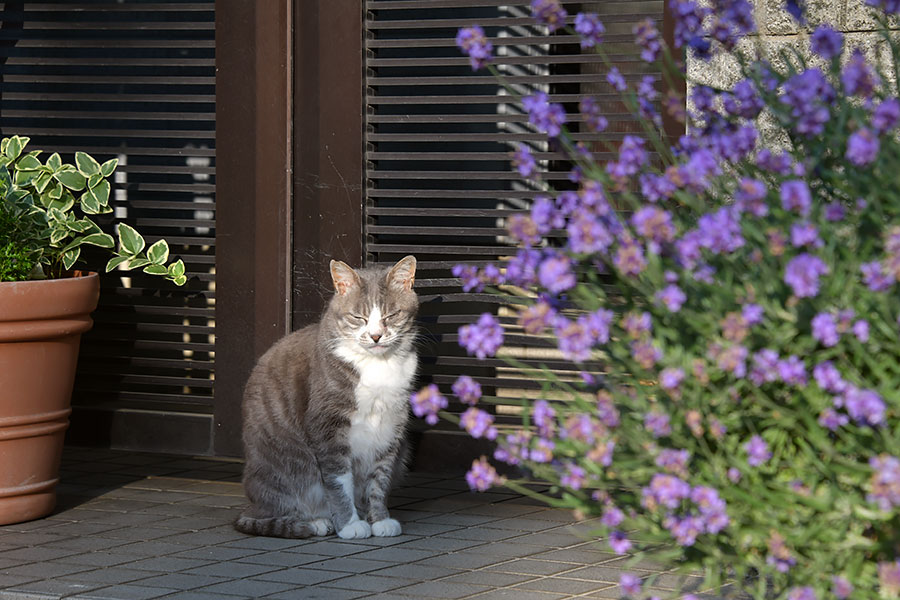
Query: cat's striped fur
{"x":325,"y":412}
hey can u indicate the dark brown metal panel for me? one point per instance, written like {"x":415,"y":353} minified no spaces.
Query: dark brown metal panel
{"x":253,"y":112}
{"x":674,"y":83}
{"x":329,"y":161}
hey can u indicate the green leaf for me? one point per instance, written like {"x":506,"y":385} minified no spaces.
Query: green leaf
{"x":54,"y":162}
{"x":115,"y":261}
{"x":89,"y":203}
{"x":5,"y":179}
{"x":56,"y":192}
{"x":155,"y":270}
{"x":71,"y":179}
{"x":101,"y":192}
{"x":40,"y":184}
{"x":28,"y":163}
{"x":23,"y":178}
{"x":70,"y":257}
{"x":181,"y":280}
{"x":3,"y":144}
{"x":94,"y":180}
{"x":64,"y":204}
{"x":57,"y":235}
{"x":109,"y":166}
{"x":130,"y":240}
{"x":176,"y":269}
{"x":87,"y":166}
{"x":14,"y":147}
{"x":158,"y":253}
{"x":104,"y":240}
{"x":137,"y":263}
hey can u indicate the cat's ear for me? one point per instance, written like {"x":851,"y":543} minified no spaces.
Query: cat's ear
{"x":344,"y":277}
{"x":402,"y":276}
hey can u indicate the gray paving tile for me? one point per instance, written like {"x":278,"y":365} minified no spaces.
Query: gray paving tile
{"x":349,"y":564}
{"x":417,"y":572}
{"x":518,"y":594}
{"x":153,"y":548}
{"x":459,"y":518}
{"x":558,"y":538}
{"x":55,"y":587}
{"x":189,"y":523}
{"x":264,"y":543}
{"x":112,"y":575}
{"x":510,"y":549}
{"x":489,"y":578}
{"x":44,"y":570}
{"x":80,"y":528}
{"x":420,"y":528}
{"x":368,"y":583}
{"x":485,"y":535}
{"x":521,"y":524}
{"x":167,"y":564}
{"x":86,"y":543}
{"x":397,"y":555}
{"x":301,"y":576}
{"x":527,"y":566}
{"x":577,"y":555}
{"x":125,"y":592}
{"x":463,"y":560}
{"x":562,"y":585}
{"x":601,"y":573}
{"x":284,"y":559}
{"x":318,"y":593}
{"x":203,"y":538}
{"x":7,"y":581}
{"x":442,"y":589}
{"x":136,"y":534}
{"x":255,"y":588}
{"x":201,"y":595}
{"x":220,"y":553}
{"x":30,"y":538}
{"x":181,"y":581}
{"x":97,"y":559}
{"x":333,"y":548}
{"x":441,"y":544}
{"x":233,"y":569}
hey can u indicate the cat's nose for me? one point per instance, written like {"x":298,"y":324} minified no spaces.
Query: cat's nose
{"x":375,"y":337}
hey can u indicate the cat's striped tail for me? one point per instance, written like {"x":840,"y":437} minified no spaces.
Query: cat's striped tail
{"x":283,"y":527}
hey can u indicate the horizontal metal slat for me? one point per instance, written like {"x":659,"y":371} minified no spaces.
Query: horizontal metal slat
{"x":37,"y":78}
{"x":118,"y":133}
{"x":439,"y":212}
{"x":103,"y":113}
{"x":109,"y":61}
{"x":528,"y":21}
{"x":377,"y":81}
{"x":123,"y":96}
{"x":420,"y":230}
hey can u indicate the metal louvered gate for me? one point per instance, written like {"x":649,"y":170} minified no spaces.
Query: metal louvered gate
{"x":133,"y":80}
{"x":438,"y":144}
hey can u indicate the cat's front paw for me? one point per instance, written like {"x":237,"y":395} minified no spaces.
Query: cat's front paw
{"x":355,"y":530}
{"x":386,"y":528}
{"x":322,"y":527}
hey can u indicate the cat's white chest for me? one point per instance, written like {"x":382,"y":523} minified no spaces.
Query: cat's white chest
{"x":381,"y":398}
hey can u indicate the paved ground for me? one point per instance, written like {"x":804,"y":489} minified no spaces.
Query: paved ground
{"x":133,"y":526}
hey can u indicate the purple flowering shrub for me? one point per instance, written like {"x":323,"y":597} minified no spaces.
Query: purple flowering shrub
{"x":739,"y":406}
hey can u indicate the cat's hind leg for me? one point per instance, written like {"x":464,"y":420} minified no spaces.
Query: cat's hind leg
{"x":289,"y":526}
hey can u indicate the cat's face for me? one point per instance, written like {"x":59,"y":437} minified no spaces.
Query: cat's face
{"x":374,"y":310}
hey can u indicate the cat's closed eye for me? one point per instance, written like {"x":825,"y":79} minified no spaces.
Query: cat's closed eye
{"x":356,"y":319}
{"x":392,"y":316}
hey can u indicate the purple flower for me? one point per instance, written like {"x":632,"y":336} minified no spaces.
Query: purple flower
{"x":720,"y":232}
{"x":478,"y":423}
{"x":750,"y":197}
{"x":749,"y":102}
{"x":615,"y":79}
{"x":630,"y":584}
{"x":864,"y":406}
{"x":886,"y":116}
{"x":482,"y":338}
{"x":826,"y":42}
{"x":542,"y":452}
{"x":590,"y":110}
{"x":467,"y":390}
{"x":672,"y":297}
{"x":522,"y":268}
{"x":703,"y":98}
{"x":589,"y":27}
{"x":779,"y":554}
{"x":792,"y":371}
{"x":757,"y":451}
{"x":888,"y":6}
{"x":524,"y":162}
{"x":555,"y":273}
{"x":732,"y":359}
{"x":828,"y":377}
{"x":546,"y":116}
{"x":802,"y":275}
{"x":884,"y":486}
{"x":612,"y":516}
{"x":671,"y":378}
{"x":657,"y":424}
{"x":654,"y":224}
{"x":537,"y":317}
{"x":665,"y":490}
{"x":684,"y":529}
{"x":805,"y":234}
{"x":752,"y":313}
{"x":544,"y":418}
{"x":802,"y":593}
{"x":797,"y":9}
{"x":469,"y":276}
{"x":588,"y":234}
{"x":582,"y":427}
{"x":734,"y":475}
{"x":427,"y":402}
{"x":765,"y":367}
{"x":688,"y":17}
{"x":472,"y":42}
{"x":656,"y":187}
{"x":835,"y":212}
{"x":832,"y":420}
{"x":875,"y":277}
{"x":523,"y":229}
{"x":598,"y":323}
{"x":602,"y":453}
{"x":629,"y":258}
{"x":574,"y":339}
{"x":889,"y":578}
{"x":796,"y":197}
{"x":618,"y":542}
{"x":840,"y":587}
{"x":862,"y":147}
{"x":549,"y":12}
{"x":824,"y":329}
{"x":574,"y":477}
{"x":673,"y":461}
{"x":648,"y":38}
{"x":808,"y":94}
{"x":482,"y":475}
{"x":861,"y":330}
{"x":645,"y":354}
{"x":631,"y":154}
{"x":606,"y":409}
{"x":858,"y":78}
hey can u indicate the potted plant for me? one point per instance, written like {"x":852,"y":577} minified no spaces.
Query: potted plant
{"x":45,"y":306}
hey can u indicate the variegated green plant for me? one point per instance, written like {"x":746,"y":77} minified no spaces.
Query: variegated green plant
{"x":45,"y":217}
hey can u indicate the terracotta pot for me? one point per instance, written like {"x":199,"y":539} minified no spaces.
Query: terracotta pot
{"x":41,"y":323}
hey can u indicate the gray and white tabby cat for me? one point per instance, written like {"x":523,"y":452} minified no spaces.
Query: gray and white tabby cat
{"x":325,"y":412}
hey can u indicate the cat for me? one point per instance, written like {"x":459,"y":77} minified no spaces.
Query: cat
{"x":325,"y":412}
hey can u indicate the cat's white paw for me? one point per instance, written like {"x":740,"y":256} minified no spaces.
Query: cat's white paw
{"x":355,"y":530}
{"x":386,"y":528}
{"x":322,"y":526}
